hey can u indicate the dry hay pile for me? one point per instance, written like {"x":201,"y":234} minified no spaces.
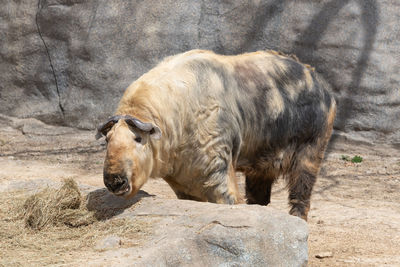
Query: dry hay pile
{"x":57,"y":206}
{"x":54,"y":227}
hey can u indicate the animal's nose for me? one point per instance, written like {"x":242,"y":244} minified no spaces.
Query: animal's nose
{"x":115,"y":183}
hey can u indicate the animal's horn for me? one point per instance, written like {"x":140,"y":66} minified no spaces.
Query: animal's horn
{"x":105,"y":127}
{"x":144,"y":126}
{"x":152,"y":129}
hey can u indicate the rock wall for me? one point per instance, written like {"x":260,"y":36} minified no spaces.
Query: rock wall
{"x":69,"y":61}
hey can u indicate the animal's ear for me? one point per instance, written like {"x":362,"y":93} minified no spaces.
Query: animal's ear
{"x":103,"y":129}
{"x":147,"y":127}
{"x":155,"y":133}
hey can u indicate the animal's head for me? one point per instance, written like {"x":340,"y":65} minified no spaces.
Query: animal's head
{"x":129,"y":161}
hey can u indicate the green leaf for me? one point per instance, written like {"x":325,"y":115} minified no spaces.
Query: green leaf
{"x":357,"y":159}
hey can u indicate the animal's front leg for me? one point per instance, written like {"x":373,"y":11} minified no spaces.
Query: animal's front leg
{"x":181,"y":191}
{"x":182,"y":195}
{"x":222,"y":187}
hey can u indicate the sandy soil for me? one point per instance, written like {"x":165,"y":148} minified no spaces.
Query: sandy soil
{"x":355,"y":209}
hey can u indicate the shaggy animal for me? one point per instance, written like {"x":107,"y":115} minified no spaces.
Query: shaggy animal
{"x":198,"y":117}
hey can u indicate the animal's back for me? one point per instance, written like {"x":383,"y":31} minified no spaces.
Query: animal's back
{"x":271,"y":99}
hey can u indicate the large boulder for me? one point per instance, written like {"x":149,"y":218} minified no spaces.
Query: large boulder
{"x":186,"y":233}
{"x":69,"y":61}
{"x":189,"y":233}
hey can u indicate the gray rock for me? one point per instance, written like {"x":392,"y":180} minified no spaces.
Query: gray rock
{"x":69,"y":61}
{"x":33,"y":126}
{"x":189,"y":233}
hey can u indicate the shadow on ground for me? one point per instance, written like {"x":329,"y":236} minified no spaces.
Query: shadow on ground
{"x":106,"y":205}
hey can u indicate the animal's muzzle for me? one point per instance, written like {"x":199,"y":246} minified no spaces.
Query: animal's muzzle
{"x":116,"y":183}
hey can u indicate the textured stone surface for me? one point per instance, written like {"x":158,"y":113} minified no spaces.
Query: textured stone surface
{"x":69,"y":61}
{"x":190,"y":233}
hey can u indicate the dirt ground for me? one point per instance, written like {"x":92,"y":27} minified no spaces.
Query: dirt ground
{"x":355,"y":210}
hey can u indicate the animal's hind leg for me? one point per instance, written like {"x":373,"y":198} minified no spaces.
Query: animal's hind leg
{"x":300,"y":193}
{"x":306,"y":169}
{"x":258,"y":189}
{"x":302,"y":178}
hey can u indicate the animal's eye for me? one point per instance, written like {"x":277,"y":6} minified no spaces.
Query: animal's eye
{"x":138,"y":139}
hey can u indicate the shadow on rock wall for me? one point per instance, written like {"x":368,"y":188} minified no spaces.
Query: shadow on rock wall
{"x":307,"y":43}
{"x":313,"y":34}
